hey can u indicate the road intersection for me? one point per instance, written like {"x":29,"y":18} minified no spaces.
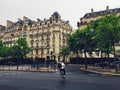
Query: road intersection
{"x":75,"y":80}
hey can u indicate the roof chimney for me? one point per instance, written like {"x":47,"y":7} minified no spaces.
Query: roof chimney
{"x":92,"y":11}
{"x":38,"y":19}
{"x":25,"y":18}
{"x":19,"y":19}
{"x":107,"y":8}
{"x":9,"y":23}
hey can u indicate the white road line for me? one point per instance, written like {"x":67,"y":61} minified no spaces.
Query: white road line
{"x":7,"y":73}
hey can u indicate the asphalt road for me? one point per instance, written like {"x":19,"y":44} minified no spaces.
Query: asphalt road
{"x":75,"y":80}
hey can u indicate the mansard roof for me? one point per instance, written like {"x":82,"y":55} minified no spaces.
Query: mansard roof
{"x":56,"y":14}
{"x":26,"y":20}
{"x":2,"y":28}
{"x":101,"y":13}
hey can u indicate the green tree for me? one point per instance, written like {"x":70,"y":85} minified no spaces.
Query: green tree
{"x":65,"y":51}
{"x":4,"y":50}
{"x":20,"y":50}
{"x":82,"y":42}
{"x":107,"y":33}
{"x":25,"y":49}
{"x":1,"y":44}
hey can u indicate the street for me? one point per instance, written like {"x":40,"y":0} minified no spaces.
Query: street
{"x":75,"y":80}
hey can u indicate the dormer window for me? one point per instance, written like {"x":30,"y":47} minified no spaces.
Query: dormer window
{"x":88,"y":14}
{"x":102,"y":12}
{"x":111,"y":11}
{"x":48,"y":25}
{"x":40,"y":24}
{"x":45,"y":23}
{"x":116,"y":10}
{"x":50,"y":21}
{"x":25,"y":28}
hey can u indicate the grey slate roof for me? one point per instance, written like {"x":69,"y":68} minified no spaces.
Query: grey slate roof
{"x":101,"y":13}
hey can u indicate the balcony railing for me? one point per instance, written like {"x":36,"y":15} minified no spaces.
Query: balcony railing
{"x":47,"y":39}
{"x":7,"y":42}
{"x":1,"y":36}
{"x":40,"y":47}
{"x":56,"y":31}
{"x":31,"y":35}
{"x":37,"y":40}
{"x":31,"y":41}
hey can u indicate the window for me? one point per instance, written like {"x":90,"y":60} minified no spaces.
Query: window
{"x":40,"y":24}
{"x":25,"y":27}
{"x":47,"y":51}
{"x":88,"y":14}
{"x":48,"y":25}
{"x":50,"y":21}
{"x":53,"y":50}
{"x":36,"y":51}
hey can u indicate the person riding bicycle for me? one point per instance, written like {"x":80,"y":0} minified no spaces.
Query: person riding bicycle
{"x":61,"y":67}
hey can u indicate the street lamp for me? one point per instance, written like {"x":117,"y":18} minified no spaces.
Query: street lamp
{"x":51,"y":58}
{"x":51,"y":54}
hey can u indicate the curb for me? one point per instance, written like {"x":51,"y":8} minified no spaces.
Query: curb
{"x":45,"y":71}
{"x":99,"y":73}
{"x":95,"y":72}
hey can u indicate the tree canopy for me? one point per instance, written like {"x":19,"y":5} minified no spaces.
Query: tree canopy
{"x":102,"y":35}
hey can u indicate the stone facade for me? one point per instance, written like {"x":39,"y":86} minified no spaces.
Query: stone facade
{"x":46,"y":37}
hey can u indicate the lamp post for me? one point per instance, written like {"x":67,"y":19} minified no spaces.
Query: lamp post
{"x":51,"y":58}
{"x":51,"y":54}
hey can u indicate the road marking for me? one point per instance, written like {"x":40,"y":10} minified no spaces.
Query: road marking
{"x":104,"y":75}
{"x":7,"y":73}
{"x":13,"y":73}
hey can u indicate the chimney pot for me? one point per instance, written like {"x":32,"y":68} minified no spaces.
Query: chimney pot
{"x":107,"y":8}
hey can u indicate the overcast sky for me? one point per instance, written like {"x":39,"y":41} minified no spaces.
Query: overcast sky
{"x":71,"y":10}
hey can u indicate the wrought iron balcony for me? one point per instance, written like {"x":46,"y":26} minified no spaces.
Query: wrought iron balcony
{"x":32,"y":41}
{"x":8,"y":42}
{"x":48,"y":32}
{"x":47,"y":39}
{"x":37,"y":34}
{"x":31,"y":35}
{"x":37,"y":40}
{"x":56,"y":31}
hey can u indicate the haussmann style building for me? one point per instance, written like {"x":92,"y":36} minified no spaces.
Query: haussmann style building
{"x":46,"y":37}
{"x":92,"y":16}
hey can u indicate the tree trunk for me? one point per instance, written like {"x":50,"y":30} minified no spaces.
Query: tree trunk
{"x":116,"y":67}
{"x":102,"y":60}
{"x":17,"y":62}
{"x":77,"y":56}
{"x":86,"y":66}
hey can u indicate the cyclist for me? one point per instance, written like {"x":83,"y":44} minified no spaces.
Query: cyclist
{"x":61,"y":67}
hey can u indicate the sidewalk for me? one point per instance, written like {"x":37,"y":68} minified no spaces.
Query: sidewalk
{"x":97,"y":70}
{"x":27,"y":68}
